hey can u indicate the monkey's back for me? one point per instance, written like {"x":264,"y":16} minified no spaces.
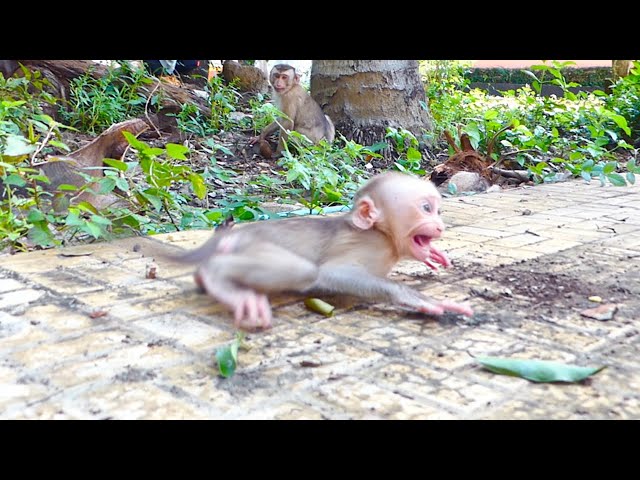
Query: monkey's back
{"x":301,"y":236}
{"x":321,"y":239}
{"x":310,"y":119}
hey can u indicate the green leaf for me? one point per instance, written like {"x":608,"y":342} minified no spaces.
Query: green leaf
{"x":216,"y":146}
{"x":197,"y":183}
{"x":107,"y":184}
{"x":555,"y":72}
{"x":100,"y":220}
{"x":16,"y":180}
{"x":603,"y":179}
{"x":490,"y":114}
{"x":588,"y":164}
{"x":376,"y":147}
{"x":227,"y":358}
{"x":74,"y":220}
{"x":117,"y":164}
{"x":631,"y":178}
{"x":610,"y":167}
{"x":60,"y":202}
{"x":154,"y":151}
{"x":537,"y":370}
{"x":122,"y":184}
{"x":92,"y":229}
{"x":413,"y":155}
{"x":60,"y":145}
{"x":319,"y":306}
{"x":38,"y":178}
{"x":452,"y":187}
{"x":474,"y":134}
{"x":16,"y":145}
{"x":176,"y":151}
{"x":573,"y":156}
{"x":35,"y":216}
{"x":153,"y":200}
{"x":87,"y":207}
{"x":621,"y":122}
{"x":586,"y":175}
{"x":540,"y":166}
{"x":64,"y":187}
{"x":46,"y":119}
{"x":617,"y":180}
{"x":134,"y":142}
{"x":41,"y":235}
{"x":531,"y":74}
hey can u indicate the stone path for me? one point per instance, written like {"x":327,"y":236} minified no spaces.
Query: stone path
{"x":83,"y":333}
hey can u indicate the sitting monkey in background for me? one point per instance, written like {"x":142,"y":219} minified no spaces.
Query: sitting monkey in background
{"x":304,"y":115}
{"x":394,"y":216}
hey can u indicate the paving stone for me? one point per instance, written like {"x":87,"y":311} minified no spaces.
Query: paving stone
{"x":85,"y":335}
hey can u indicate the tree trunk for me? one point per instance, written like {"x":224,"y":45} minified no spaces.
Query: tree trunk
{"x":621,"y":68}
{"x":363,"y":97}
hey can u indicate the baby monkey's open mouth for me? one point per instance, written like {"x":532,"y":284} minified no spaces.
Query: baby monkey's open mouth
{"x":424,"y":251}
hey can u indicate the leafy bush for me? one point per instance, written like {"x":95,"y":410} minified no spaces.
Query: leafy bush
{"x":328,"y":174}
{"x":625,"y":99}
{"x":25,"y":131}
{"x":97,"y":103}
{"x":542,"y":134}
{"x":406,"y":145}
{"x":224,"y":101}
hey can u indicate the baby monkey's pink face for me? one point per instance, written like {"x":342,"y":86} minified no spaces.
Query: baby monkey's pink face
{"x":407,"y":210}
{"x":429,"y":228}
{"x":424,"y":225}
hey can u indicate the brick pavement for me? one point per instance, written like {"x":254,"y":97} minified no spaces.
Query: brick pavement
{"x":152,"y":355}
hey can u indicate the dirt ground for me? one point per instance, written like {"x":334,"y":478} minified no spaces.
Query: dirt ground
{"x":558,"y":286}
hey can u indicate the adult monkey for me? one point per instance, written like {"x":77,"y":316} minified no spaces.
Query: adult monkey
{"x":394,"y":216}
{"x":303,"y":114}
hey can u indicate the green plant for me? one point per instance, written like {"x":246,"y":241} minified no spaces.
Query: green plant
{"x":558,"y":78}
{"x":25,"y":132}
{"x":545,"y":135}
{"x":406,"y":145}
{"x":224,"y":99}
{"x":625,"y":99}
{"x":190,"y":119}
{"x":443,"y":75}
{"x":97,"y":103}
{"x":263,"y":114}
{"x":605,"y":171}
{"x":327,"y":173}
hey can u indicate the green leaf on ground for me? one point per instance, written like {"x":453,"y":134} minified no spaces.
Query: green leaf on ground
{"x":537,"y":370}
{"x":319,"y":306}
{"x":227,"y":356}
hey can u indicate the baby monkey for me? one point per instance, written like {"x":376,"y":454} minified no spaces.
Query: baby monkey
{"x":304,"y":115}
{"x":395,"y":216}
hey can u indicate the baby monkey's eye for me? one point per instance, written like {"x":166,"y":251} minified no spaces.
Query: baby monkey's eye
{"x":427,"y":207}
